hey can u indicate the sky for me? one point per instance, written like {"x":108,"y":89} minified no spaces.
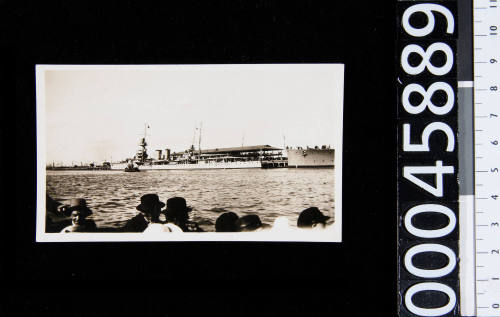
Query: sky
{"x":95,"y":113}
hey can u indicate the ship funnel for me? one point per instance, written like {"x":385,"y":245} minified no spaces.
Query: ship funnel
{"x":159,"y":154}
{"x":167,"y":154}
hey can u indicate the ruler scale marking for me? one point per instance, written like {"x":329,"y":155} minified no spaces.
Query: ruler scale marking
{"x":487,"y":82}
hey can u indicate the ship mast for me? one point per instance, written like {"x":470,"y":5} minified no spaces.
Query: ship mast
{"x":199,"y":140}
{"x":194,"y":138}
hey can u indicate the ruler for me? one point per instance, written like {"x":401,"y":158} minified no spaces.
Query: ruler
{"x":486,"y":43}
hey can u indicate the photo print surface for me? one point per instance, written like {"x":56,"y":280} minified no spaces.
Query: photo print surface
{"x":249,"y":152}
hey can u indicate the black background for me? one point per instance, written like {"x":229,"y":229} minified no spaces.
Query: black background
{"x":357,"y":277}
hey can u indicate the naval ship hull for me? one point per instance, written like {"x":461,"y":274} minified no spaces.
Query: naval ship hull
{"x":311,"y":158}
{"x":199,"y":165}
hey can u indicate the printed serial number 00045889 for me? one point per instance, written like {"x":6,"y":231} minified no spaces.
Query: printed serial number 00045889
{"x":439,"y":170}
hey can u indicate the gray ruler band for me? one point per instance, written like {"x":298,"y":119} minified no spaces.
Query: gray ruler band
{"x":465,"y":101}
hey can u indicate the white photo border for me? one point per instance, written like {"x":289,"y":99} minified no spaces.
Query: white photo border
{"x":333,"y":234}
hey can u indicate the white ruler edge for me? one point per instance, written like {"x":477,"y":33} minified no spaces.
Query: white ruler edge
{"x":486,"y":17}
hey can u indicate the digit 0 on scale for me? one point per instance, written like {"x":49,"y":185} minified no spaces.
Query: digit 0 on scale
{"x":427,"y":159}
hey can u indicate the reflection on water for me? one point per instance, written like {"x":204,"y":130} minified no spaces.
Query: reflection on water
{"x":269,"y":193}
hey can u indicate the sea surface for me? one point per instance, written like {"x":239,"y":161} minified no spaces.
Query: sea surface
{"x":269,"y":193}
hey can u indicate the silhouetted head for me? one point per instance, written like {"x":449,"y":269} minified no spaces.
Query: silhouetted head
{"x":151,"y":206}
{"x":177,"y":210}
{"x":226,"y":222}
{"x":311,"y":217}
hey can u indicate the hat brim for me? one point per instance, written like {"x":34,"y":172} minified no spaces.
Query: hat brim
{"x":309,"y":222}
{"x":83,"y":209}
{"x":188,"y":209}
{"x":323,"y":220}
{"x":144,"y":208}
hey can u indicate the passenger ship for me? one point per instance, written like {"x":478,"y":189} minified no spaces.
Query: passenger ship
{"x":311,"y":157}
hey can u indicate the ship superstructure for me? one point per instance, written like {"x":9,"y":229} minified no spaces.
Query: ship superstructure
{"x":257,"y":156}
{"x":141,"y":155}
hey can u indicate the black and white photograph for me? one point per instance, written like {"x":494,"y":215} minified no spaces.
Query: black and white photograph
{"x":209,"y":152}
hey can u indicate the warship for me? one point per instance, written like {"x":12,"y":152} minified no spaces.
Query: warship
{"x":255,"y":156}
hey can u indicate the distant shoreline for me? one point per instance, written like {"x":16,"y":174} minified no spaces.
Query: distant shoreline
{"x":79,"y":168}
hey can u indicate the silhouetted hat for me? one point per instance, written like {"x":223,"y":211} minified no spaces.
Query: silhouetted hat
{"x":226,"y":222}
{"x":148,"y":202}
{"x":176,"y":209}
{"x":311,"y":216}
{"x":248,"y":223}
{"x":79,"y":204}
{"x":178,"y":204}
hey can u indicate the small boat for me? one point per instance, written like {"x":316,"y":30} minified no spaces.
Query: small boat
{"x":131,"y":168}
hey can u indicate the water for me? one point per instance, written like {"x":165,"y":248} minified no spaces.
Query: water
{"x":269,"y":193}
